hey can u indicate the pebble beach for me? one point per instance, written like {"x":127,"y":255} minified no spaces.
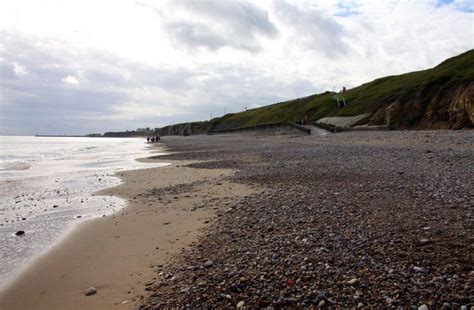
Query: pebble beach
{"x":349,"y":220}
{"x":359,"y":220}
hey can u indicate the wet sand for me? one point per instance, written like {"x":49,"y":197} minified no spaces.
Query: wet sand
{"x":120,"y":254}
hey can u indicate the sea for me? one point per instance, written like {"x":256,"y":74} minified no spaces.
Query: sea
{"x":46,"y":187}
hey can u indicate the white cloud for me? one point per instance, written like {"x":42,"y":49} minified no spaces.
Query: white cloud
{"x":149,"y":63}
{"x":70,"y":79}
{"x":216,"y":24}
{"x":19,"y":70}
{"x":315,"y":29}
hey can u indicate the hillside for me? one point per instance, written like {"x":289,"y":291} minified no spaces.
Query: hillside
{"x":441,"y":97}
{"x":437,"y":98}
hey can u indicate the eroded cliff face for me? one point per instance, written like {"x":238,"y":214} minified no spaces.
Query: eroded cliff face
{"x":432,"y":107}
{"x":180,"y":129}
{"x":461,"y":110}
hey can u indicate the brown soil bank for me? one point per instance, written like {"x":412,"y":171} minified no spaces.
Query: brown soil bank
{"x":368,"y":220}
{"x":433,"y":106}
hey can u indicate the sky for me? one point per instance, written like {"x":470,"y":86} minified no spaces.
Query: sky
{"x":91,"y":66}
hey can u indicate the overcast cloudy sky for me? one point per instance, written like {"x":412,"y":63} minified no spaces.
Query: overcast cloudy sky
{"x":81,"y":66}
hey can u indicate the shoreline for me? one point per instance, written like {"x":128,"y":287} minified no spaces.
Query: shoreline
{"x":354,"y":220}
{"x":121,"y":253}
{"x":55,"y":193}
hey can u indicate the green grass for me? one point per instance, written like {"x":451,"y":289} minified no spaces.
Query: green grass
{"x":366,"y":98}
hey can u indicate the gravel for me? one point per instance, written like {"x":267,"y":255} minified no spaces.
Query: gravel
{"x":355,"y":219}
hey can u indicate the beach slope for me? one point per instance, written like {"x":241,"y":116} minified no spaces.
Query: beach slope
{"x":120,"y":254}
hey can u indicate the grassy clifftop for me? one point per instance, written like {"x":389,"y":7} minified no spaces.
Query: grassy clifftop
{"x":441,"y":97}
{"x":415,"y":92}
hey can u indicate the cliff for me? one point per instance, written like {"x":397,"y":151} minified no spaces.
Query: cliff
{"x":438,"y":98}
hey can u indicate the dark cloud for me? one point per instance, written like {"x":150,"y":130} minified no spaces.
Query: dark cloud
{"x":315,"y":29}
{"x":223,"y":23}
{"x":244,"y":17}
{"x":193,"y":35}
{"x":196,"y":35}
{"x":199,"y":35}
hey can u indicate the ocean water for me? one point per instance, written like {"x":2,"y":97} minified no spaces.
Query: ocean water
{"x":46,"y":187}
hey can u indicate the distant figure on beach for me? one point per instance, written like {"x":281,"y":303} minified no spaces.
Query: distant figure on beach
{"x":153,"y":139}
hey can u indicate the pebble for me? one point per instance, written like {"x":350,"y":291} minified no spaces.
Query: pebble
{"x":20,"y":233}
{"x":240,"y":304}
{"x":424,"y":241}
{"x":423,"y":307}
{"x":208,"y":264}
{"x":90,"y":291}
{"x":225,"y":296}
{"x":185,"y":290}
{"x":299,"y":244}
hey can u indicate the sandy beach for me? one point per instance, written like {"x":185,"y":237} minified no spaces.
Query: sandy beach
{"x":356,"y":219}
{"x":236,"y":154}
{"x":120,"y":254}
